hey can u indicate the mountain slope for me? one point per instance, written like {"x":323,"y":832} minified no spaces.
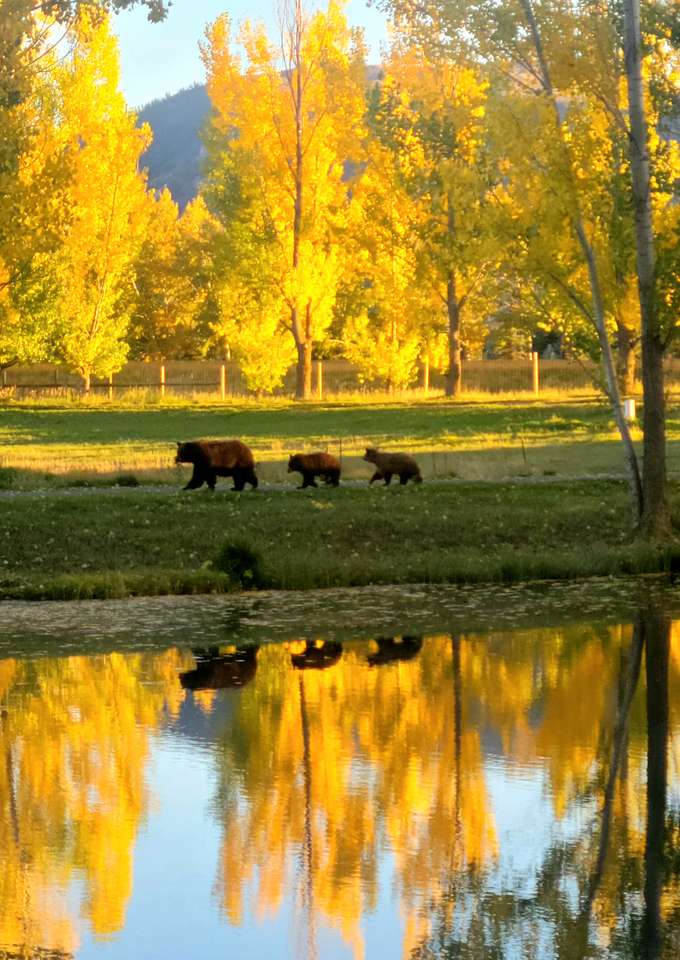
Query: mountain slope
{"x":174,"y":158}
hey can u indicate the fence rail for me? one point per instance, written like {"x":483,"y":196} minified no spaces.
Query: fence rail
{"x":331,"y":378}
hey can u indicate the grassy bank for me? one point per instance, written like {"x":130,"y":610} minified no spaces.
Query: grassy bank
{"x":99,"y":545}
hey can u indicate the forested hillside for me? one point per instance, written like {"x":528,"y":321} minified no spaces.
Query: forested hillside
{"x":173,"y":159}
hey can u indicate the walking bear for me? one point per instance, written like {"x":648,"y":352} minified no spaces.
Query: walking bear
{"x":215,"y":671}
{"x":312,"y":465}
{"x":218,"y":458}
{"x":387,"y":464}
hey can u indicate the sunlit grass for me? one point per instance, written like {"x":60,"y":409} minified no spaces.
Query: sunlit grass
{"x":43,"y":443}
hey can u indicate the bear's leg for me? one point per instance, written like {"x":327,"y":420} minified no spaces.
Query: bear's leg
{"x":210,"y":479}
{"x":334,"y":478}
{"x":403,"y":479}
{"x":308,"y":480}
{"x":197,"y":479}
{"x":239,"y":480}
{"x":388,"y":479}
{"x":251,"y":478}
{"x":378,"y":475}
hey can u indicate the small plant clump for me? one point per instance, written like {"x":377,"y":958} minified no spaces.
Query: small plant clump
{"x":241,"y":564}
{"x":126,"y":480}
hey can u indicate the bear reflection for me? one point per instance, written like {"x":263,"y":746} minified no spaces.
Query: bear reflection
{"x":391,"y":649}
{"x":217,"y":671}
{"x":317,"y":655}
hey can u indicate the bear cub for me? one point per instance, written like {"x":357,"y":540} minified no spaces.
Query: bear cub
{"x":401,"y":464}
{"x":312,"y":465}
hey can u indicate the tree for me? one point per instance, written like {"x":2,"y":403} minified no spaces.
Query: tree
{"x":107,"y":199}
{"x":566,"y":56}
{"x":283,"y":136}
{"x":430,"y":113}
{"x":171,"y":286}
{"x":384,"y":316}
{"x":655,"y":510}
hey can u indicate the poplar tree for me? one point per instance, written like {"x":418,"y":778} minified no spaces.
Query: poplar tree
{"x":283,"y":128}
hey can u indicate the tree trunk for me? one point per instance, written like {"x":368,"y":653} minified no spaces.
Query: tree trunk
{"x":426,"y":374}
{"x":625,"y":360}
{"x":303,"y":372}
{"x":598,"y":314}
{"x":656,"y":521}
{"x":454,"y":376}
{"x":87,"y":382}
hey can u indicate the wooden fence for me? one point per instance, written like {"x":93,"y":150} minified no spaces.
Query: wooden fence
{"x":331,"y":378}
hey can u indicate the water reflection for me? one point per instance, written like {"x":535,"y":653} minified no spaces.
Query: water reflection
{"x":505,"y":795}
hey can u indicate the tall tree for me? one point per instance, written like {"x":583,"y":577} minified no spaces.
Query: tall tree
{"x":430,"y":113}
{"x":562,"y":54}
{"x":284,"y":136}
{"x":655,"y":511}
{"x":34,"y":165}
{"x":107,"y":197}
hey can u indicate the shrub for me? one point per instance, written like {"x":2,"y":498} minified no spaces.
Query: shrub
{"x":241,"y":564}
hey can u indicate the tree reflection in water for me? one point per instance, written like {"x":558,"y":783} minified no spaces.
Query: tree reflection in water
{"x":346,"y":775}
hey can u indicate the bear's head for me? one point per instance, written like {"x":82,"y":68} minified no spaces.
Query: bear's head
{"x":371,"y":454}
{"x":186,"y":452}
{"x":293,"y":462}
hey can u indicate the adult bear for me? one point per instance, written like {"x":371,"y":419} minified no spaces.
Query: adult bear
{"x":218,"y":458}
{"x":312,"y":465}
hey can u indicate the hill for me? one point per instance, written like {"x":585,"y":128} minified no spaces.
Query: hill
{"x":174,"y":158}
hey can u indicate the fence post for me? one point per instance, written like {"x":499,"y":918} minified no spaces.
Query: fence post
{"x":534,"y":372}
{"x":426,"y":374}
{"x":223,"y":381}
{"x":162,"y":380}
{"x":319,"y":379}
{"x":110,"y":386}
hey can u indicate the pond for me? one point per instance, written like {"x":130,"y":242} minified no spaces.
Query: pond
{"x":417,"y":773}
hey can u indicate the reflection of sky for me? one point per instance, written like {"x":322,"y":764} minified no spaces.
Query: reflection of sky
{"x":173,"y":911}
{"x":161,"y":58}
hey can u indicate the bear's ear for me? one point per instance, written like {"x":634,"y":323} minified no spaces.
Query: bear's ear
{"x":178,"y":443}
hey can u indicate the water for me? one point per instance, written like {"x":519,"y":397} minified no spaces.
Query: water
{"x":422,"y":773}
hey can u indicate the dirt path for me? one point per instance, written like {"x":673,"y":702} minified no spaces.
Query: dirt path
{"x":114,"y":491}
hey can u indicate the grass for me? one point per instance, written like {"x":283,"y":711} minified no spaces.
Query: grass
{"x":56,"y":444}
{"x":98,"y":545}
{"x":95,"y":543}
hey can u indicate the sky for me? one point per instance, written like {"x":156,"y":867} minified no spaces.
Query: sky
{"x":161,"y":58}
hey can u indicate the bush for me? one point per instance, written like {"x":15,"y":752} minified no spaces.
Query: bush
{"x":241,"y":564}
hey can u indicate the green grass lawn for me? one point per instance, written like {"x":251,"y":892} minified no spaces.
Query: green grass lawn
{"x":50,"y":443}
{"x":105,"y":544}
{"x":99,"y":543}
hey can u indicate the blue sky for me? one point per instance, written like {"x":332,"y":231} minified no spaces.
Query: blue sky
{"x":162,"y":58}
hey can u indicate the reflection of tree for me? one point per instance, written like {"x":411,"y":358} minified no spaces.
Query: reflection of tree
{"x":74,"y":741}
{"x":619,"y":863}
{"x":657,"y":650}
{"x":325,"y":770}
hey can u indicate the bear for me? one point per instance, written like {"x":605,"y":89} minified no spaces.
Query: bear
{"x":317,"y":655}
{"x":217,"y":458}
{"x":391,"y":649}
{"x":311,"y":465}
{"x":216,"y":671}
{"x":402,"y":464}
